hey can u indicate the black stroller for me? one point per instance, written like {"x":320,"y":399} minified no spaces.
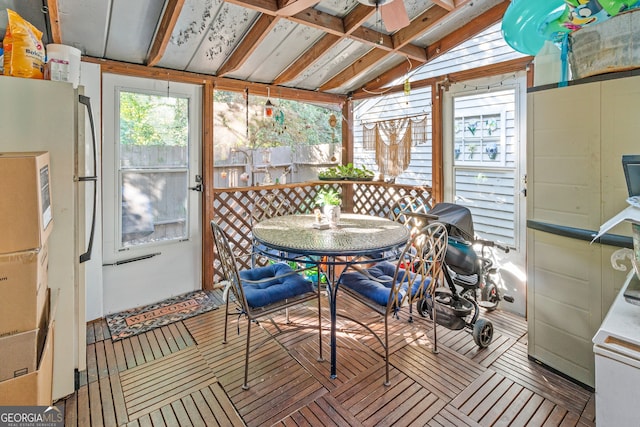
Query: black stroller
{"x":465,"y":268}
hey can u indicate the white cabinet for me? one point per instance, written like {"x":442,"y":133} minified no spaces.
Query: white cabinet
{"x":576,"y":137}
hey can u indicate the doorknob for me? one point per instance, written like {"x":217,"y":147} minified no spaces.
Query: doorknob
{"x":198,"y":186}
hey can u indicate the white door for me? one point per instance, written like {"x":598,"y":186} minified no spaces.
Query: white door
{"x":151,"y":207}
{"x":484,"y":155}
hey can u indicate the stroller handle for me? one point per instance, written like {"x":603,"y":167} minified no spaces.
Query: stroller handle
{"x":492,"y":244}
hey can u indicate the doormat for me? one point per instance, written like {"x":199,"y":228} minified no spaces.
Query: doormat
{"x":142,"y":319}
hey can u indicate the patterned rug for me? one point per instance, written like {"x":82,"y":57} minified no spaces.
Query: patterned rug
{"x":142,"y":319}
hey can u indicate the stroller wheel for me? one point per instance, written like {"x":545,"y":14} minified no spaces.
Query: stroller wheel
{"x":490,"y":297}
{"x":424,"y":308}
{"x":482,"y":333}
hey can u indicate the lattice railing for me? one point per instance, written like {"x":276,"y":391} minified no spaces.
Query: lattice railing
{"x":233,"y":207}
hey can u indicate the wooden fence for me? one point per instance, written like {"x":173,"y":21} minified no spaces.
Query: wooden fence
{"x":233,"y":206}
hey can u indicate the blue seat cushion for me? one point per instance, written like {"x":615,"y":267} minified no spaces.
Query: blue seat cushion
{"x":379,"y":290}
{"x":275,"y":290}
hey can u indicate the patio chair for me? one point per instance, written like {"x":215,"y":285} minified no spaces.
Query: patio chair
{"x":262,"y":291}
{"x":411,"y":211}
{"x":386,"y":287}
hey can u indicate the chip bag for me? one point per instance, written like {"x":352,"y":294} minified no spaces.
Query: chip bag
{"x":23,"y":50}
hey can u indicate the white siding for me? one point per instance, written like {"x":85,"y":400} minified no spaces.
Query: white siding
{"x":486,"y":48}
{"x":386,"y":107}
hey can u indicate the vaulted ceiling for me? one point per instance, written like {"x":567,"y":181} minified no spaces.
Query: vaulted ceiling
{"x":328,"y":46}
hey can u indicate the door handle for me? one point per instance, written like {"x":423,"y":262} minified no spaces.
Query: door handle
{"x":197,"y":187}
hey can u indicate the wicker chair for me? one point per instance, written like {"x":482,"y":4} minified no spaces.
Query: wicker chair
{"x":260,"y":292}
{"x":386,"y":287}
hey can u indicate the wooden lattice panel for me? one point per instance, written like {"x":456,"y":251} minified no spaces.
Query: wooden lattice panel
{"x":233,"y":207}
{"x":377,"y":198}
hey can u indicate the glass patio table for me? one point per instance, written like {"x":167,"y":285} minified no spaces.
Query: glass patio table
{"x":293,"y":236}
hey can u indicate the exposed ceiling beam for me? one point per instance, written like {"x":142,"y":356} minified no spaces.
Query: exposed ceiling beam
{"x":260,"y":29}
{"x":467,"y":31}
{"x":291,"y":7}
{"x":307,"y":59}
{"x":419,"y":25}
{"x":362,"y":65}
{"x":390,"y":76}
{"x":443,"y":45}
{"x":54,"y":21}
{"x":358,"y":16}
{"x":401,"y":45}
{"x":165,"y":29}
{"x":320,"y":20}
{"x":220,"y":83}
{"x":351,"y":23}
{"x":263,"y":6}
{"x":447,"y":4}
{"x":510,"y":66}
{"x":351,"y":27}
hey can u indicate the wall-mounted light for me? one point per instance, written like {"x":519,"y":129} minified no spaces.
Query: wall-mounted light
{"x":269,"y":108}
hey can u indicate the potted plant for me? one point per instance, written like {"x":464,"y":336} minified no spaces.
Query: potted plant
{"x":348,"y":171}
{"x":330,"y":200}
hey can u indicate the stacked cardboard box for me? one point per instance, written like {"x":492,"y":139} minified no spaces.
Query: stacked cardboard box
{"x":26,"y":324}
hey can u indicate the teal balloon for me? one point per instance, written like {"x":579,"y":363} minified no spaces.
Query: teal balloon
{"x":525,"y":20}
{"x":527,"y":24}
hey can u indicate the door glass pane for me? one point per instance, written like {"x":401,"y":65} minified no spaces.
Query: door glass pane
{"x":484,"y":162}
{"x":153,"y":168}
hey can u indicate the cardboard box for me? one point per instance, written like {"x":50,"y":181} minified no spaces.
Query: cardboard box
{"x":35,"y":387}
{"x":25,"y":201}
{"x":19,"y":354}
{"x":23,"y":290}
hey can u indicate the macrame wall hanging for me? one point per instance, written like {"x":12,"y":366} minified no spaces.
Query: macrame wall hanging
{"x":392,"y":140}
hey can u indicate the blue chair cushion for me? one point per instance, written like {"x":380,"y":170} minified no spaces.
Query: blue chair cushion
{"x":378,"y":290}
{"x":275,"y":290}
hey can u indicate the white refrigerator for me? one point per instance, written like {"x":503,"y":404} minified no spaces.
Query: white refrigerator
{"x":39,"y":115}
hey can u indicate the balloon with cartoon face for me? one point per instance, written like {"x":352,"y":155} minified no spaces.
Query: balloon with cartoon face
{"x":527,"y":24}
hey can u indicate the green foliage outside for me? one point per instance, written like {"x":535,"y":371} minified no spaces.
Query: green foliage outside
{"x":153,"y":120}
{"x":295,"y":123}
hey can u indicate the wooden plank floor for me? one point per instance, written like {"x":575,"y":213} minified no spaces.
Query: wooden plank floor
{"x":182,"y":375}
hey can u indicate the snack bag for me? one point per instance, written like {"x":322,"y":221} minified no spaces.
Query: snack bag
{"x":23,"y":50}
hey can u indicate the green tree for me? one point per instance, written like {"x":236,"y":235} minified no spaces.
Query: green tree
{"x":153,"y":120}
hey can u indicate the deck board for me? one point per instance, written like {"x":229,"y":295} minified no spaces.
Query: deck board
{"x":183,"y":375}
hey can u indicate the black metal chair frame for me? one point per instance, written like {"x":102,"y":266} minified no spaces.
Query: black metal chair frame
{"x":425,"y":253}
{"x":231,"y":274}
